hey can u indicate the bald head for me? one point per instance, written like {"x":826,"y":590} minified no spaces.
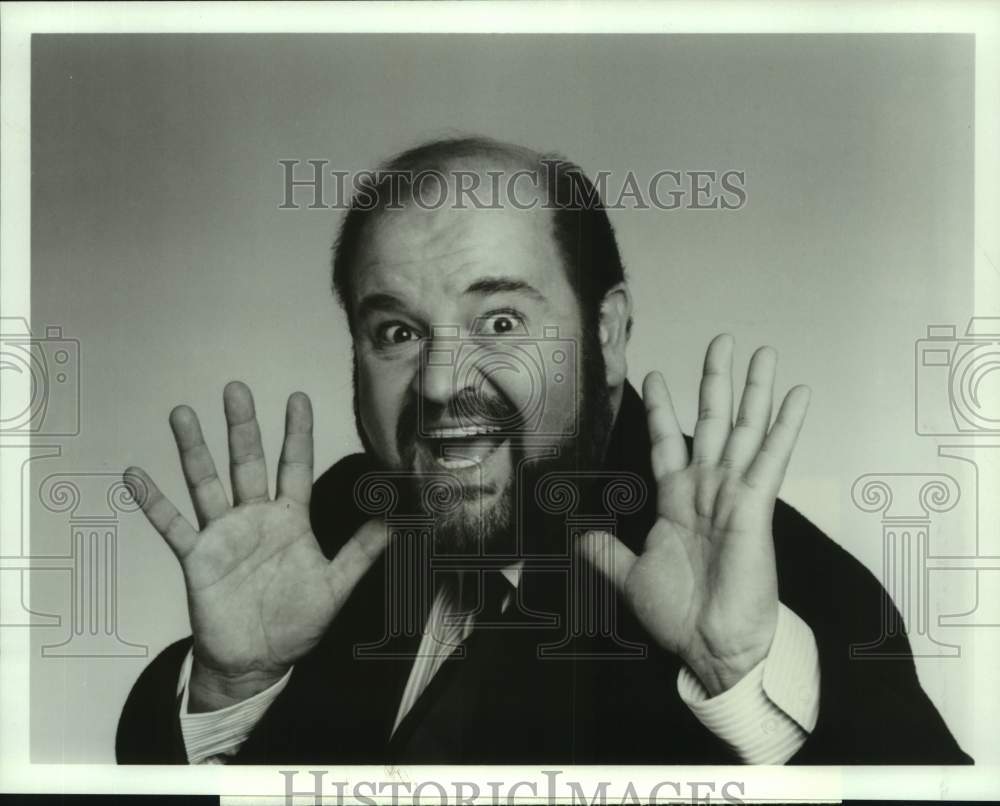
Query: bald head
{"x":477,"y":176}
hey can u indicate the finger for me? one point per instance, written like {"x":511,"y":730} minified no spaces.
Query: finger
{"x":163,"y":515}
{"x":715,"y":402}
{"x":246,"y":453}
{"x":356,"y":556}
{"x":754,"y":417}
{"x":207,"y":493}
{"x":767,"y":470}
{"x":295,"y":468}
{"x":668,"y":449}
{"x":612,"y":558}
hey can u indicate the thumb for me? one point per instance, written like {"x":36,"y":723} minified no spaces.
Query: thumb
{"x":356,"y":556}
{"x":608,"y":555}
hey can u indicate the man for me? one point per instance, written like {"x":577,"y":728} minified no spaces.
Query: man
{"x":592,"y":587}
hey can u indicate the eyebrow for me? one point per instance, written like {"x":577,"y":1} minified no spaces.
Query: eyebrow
{"x":500,"y":285}
{"x":379,"y":302}
{"x":382,"y":301}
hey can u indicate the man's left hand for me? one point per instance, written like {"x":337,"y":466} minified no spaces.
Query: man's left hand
{"x":705,"y":585}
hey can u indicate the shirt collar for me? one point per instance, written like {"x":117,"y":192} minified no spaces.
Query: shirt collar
{"x":512,"y":573}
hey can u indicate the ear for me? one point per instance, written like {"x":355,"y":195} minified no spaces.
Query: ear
{"x":613,"y":332}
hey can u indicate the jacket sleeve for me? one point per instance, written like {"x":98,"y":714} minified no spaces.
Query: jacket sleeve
{"x":149,"y":730}
{"x":872,"y":708}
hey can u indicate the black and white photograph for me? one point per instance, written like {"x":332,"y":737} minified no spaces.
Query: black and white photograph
{"x":500,"y":403}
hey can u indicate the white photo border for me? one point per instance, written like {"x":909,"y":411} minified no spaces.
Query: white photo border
{"x":20,"y":21}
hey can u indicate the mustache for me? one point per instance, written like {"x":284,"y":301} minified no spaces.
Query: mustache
{"x":467,"y":406}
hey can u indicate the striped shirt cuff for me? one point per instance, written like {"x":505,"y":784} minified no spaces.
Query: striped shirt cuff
{"x":213,"y":737}
{"x":768,"y":715}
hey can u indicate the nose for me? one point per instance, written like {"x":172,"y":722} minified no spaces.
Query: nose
{"x":435,"y":379}
{"x":436,"y":383}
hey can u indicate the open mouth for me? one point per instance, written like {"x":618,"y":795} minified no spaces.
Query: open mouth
{"x":462,"y":447}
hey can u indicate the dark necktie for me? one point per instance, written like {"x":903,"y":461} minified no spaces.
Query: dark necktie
{"x":433,"y":731}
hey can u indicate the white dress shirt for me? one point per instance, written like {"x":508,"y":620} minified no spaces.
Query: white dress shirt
{"x":765,"y":718}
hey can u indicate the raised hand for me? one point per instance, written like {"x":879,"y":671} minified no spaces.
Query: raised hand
{"x":705,"y":585}
{"x":260,"y":591}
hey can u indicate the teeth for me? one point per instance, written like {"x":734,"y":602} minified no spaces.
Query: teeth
{"x":457,"y":463}
{"x":464,"y":431}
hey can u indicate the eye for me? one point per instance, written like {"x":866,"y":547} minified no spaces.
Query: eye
{"x":501,"y":323}
{"x":392,"y":333}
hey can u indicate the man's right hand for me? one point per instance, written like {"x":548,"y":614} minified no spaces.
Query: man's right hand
{"x":260,"y":591}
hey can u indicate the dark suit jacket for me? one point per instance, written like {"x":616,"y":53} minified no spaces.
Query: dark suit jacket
{"x":505,"y":702}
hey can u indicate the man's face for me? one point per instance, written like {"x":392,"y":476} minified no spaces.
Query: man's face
{"x":484,"y":287}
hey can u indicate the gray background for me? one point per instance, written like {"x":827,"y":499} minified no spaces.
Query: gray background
{"x":158,"y":243}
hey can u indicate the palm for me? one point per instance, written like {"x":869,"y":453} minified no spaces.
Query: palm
{"x":705,"y":585}
{"x":257,"y":588}
{"x":260,"y":591}
{"x":700,"y":572}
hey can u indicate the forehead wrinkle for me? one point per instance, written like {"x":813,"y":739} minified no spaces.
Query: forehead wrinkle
{"x":446,"y":249}
{"x":415,"y":286}
{"x":424,"y":238}
{"x":410,"y":261}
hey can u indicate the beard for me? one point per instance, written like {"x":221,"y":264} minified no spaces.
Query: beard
{"x":500,"y":519}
